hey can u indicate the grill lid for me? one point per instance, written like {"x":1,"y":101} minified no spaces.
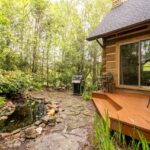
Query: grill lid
{"x":77,"y":79}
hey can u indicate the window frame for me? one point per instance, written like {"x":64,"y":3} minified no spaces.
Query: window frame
{"x":139,"y":65}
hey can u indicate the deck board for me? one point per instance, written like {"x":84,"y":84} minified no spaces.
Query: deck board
{"x":131,"y":109}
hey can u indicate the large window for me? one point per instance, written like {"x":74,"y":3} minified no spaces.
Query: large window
{"x":145,"y":63}
{"x":135,"y":64}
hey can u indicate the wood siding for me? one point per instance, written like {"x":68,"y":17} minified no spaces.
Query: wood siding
{"x":111,"y":56}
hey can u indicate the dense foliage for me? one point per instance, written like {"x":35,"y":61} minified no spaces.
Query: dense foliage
{"x":47,"y":39}
{"x":14,"y":82}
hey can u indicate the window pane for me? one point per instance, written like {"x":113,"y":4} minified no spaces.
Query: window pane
{"x":129,"y":64}
{"x":145,"y":63}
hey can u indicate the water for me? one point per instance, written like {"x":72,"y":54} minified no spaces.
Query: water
{"x":23,"y":116}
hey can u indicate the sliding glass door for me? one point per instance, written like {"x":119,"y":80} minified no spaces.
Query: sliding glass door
{"x":135,"y":64}
{"x":129,"y":64}
{"x":145,"y":63}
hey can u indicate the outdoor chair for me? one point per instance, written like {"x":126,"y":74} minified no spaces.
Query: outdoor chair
{"x":107,"y":82}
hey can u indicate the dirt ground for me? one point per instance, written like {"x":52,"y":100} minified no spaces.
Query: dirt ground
{"x":75,"y":122}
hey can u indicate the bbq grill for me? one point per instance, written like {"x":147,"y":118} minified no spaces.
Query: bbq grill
{"x":77,"y":82}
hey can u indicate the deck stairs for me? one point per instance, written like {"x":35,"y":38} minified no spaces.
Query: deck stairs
{"x":127,"y":111}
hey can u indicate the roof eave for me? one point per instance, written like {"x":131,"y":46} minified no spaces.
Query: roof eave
{"x":94,"y":38}
{"x":118,"y":30}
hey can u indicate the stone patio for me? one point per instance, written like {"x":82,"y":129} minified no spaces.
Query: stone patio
{"x":74,"y":124}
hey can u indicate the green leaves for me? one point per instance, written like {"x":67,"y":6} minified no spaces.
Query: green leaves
{"x":86,"y":95}
{"x":103,"y":137}
{"x":49,"y":38}
{"x":14,"y":82}
{"x":2,"y":102}
{"x":3,"y":20}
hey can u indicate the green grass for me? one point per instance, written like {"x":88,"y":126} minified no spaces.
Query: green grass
{"x":2,"y":102}
{"x":104,"y":139}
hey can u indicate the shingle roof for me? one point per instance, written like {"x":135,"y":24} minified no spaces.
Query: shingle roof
{"x":129,"y":13}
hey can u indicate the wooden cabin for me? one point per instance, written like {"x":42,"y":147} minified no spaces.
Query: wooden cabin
{"x":124,"y":36}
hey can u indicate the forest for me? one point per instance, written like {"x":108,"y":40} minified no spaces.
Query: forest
{"x":43,"y":42}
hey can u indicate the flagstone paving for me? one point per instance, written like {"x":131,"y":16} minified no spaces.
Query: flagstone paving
{"x":75,"y":123}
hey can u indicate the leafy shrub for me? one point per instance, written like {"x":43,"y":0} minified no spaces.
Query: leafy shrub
{"x":14,"y":82}
{"x":86,"y":95}
{"x":2,"y":102}
{"x":37,"y":82}
{"x":37,"y":85}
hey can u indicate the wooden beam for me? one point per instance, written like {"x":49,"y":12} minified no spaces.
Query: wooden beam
{"x":102,"y":46}
{"x":132,"y":27}
{"x":129,"y":33}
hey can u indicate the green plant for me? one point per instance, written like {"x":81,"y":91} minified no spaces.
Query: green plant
{"x":37,"y":82}
{"x":86,"y":96}
{"x":37,"y":85}
{"x":2,"y":102}
{"x":102,"y":134}
{"x":104,"y":140}
{"x":144,"y":143}
{"x":134,"y":145}
{"x":14,"y":82}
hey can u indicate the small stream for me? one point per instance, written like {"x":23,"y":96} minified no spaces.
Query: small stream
{"x":23,"y":116}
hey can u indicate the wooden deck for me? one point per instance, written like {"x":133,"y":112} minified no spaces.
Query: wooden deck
{"x":126,"y":110}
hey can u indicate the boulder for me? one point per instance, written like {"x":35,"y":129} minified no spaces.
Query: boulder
{"x":54,"y":106}
{"x":39,"y":130}
{"x":47,"y":101}
{"x":3,"y":118}
{"x":37,"y":123}
{"x":59,"y":120}
{"x":31,"y":133}
{"x":22,"y":139}
{"x":51,"y":112}
{"x":61,"y":110}
{"x":52,"y":119}
{"x":22,"y":134}
{"x":51,"y":124}
{"x":8,"y":109}
{"x":17,"y":143}
{"x":43,"y":125}
{"x":4,"y":135}
{"x":17,"y":136}
{"x":45,"y":119}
